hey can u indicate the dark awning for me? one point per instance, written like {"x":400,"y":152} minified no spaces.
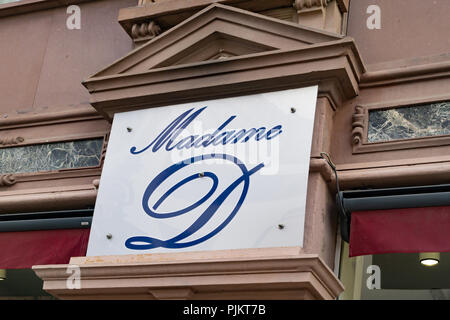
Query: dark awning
{"x":397,"y":220}
{"x":29,"y":239}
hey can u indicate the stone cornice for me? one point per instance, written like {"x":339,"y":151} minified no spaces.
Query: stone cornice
{"x":58,"y":198}
{"x":394,"y":175}
{"x":25,"y":6}
{"x":291,"y":56}
{"x":217,"y":19}
{"x":48,"y":118}
{"x":334,"y":65}
{"x":196,"y":273}
{"x":426,"y":71}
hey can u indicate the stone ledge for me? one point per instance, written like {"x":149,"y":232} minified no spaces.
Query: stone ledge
{"x":25,"y":6}
{"x":394,"y":175}
{"x":58,"y":198}
{"x":274,"y":273}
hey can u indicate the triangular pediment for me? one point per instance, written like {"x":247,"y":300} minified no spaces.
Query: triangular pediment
{"x":223,"y":51}
{"x":217,"y":45}
{"x":218,"y":32}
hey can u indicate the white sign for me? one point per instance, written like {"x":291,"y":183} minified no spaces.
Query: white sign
{"x":221,"y":174}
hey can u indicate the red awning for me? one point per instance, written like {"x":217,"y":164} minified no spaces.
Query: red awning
{"x":24,"y":249}
{"x":400,"y":231}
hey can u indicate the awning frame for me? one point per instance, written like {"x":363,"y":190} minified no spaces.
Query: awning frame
{"x":385,"y":199}
{"x":49,"y":220}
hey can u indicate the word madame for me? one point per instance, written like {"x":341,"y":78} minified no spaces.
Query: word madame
{"x":168,"y":137}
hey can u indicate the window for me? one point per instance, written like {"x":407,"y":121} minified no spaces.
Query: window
{"x":409,"y":122}
{"x":8,"y":1}
{"x":51,"y":156}
{"x":395,"y":276}
{"x":407,"y":125}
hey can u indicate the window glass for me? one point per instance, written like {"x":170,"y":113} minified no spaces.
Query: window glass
{"x":51,"y":156}
{"x":395,"y":276}
{"x":409,"y":122}
{"x":8,"y":1}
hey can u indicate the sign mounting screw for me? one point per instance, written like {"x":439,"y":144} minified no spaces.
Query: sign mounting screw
{"x":281,"y":226}
{"x":129,"y":129}
{"x":201,"y":174}
{"x":109,"y":236}
{"x":293,"y":110}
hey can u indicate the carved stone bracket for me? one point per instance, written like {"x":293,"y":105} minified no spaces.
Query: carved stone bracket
{"x":96,"y":183}
{"x":322,"y":14}
{"x":145,"y":31}
{"x":309,"y":5}
{"x":321,"y":166}
{"x":7,"y":180}
{"x":358,"y":125}
{"x":145,"y":2}
{"x":10,"y":141}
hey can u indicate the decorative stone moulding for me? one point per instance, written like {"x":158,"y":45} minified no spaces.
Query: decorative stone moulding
{"x":419,"y":69}
{"x":96,"y":183}
{"x":104,"y":147}
{"x":148,"y":2}
{"x":263,"y":54}
{"x":310,"y":4}
{"x":48,"y":118}
{"x":169,"y":13}
{"x":358,"y":125}
{"x":11,"y":141}
{"x":7,"y":180}
{"x":261,"y":274}
{"x":56,"y":198}
{"x":144,"y":31}
{"x":322,"y":14}
{"x":360,"y":128}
